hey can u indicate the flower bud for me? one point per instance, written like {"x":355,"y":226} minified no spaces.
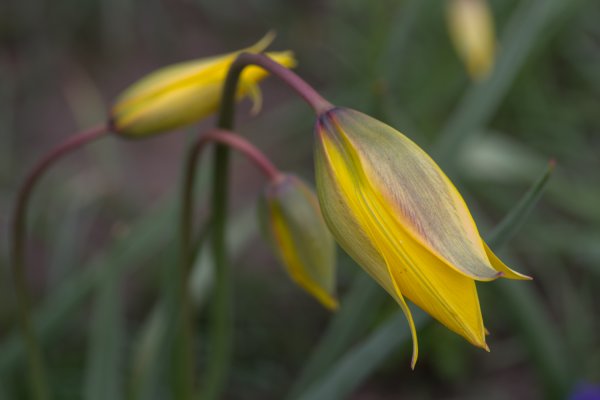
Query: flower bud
{"x":472,"y":31}
{"x":181,"y":94}
{"x":397,"y":214}
{"x":293,"y":222}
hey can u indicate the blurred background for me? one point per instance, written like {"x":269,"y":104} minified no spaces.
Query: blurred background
{"x":102,"y":223}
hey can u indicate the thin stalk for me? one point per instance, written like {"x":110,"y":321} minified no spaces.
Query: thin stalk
{"x":221,"y":324}
{"x":303,"y":89}
{"x":184,"y":361}
{"x":37,"y":371}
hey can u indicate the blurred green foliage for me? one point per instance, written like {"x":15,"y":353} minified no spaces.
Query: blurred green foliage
{"x":102,"y":224}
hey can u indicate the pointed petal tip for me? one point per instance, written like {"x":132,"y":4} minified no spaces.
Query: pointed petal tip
{"x":263,"y":43}
{"x":413,"y":360}
{"x":517,"y":276}
{"x":481,"y":341}
{"x":331,"y":304}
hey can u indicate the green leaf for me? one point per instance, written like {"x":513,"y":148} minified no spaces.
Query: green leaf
{"x":515,"y":219}
{"x":358,"y":364}
{"x":123,"y":255}
{"x":352,"y":319}
{"x":151,"y":356}
{"x":104,"y":372}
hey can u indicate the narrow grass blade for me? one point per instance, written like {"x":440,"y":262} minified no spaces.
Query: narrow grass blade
{"x":148,"y":357}
{"x":515,"y":219}
{"x":526,"y":306}
{"x":540,"y":335}
{"x":122,"y":255}
{"x":104,"y":369}
{"x":358,"y":364}
{"x":348,"y":323}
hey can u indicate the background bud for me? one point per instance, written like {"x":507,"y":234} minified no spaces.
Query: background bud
{"x":472,"y":32}
{"x":293,"y":222}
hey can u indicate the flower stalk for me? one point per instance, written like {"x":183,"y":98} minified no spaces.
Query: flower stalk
{"x":226,"y":139}
{"x":37,"y":371}
{"x":221,"y":334}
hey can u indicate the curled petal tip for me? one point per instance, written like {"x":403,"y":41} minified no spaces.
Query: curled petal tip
{"x":331,"y":304}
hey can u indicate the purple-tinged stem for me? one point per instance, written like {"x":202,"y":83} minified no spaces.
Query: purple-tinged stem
{"x":37,"y":372}
{"x":299,"y":85}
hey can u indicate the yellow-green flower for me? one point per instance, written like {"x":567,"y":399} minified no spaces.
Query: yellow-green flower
{"x":294,"y":224}
{"x":472,"y":31}
{"x":184,"y":93}
{"x":397,"y":214}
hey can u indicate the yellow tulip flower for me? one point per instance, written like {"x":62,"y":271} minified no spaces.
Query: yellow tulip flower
{"x":398,"y":215}
{"x":472,"y":31}
{"x":294,"y":224}
{"x":181,"y":94}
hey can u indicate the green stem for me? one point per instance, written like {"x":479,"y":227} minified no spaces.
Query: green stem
{"x":221,"y":324}
{"x":37,"y":371}
{"x":184,"y":361}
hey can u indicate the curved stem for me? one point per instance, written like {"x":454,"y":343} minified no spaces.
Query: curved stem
{"x":221,"y":334}
{"x":184,"y":362}
{"x":187,"y":215}
{"x":243,"y":146}
{"x":37,"y":373}
{"x":307,"y":92}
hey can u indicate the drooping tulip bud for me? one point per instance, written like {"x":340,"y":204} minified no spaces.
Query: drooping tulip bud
{"x":396,"y":213}
{"x":181,"y":94}
{"x":294,"y":225}
{"x":471,"y":28}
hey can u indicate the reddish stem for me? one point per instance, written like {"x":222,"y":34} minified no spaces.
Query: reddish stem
{"x":299,"y":85}
{"x":228,"y":139}
{"x":37,"y":372}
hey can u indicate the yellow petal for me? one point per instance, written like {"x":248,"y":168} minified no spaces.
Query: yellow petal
{"x":366,"y":230}
{"x":420,"y":195}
